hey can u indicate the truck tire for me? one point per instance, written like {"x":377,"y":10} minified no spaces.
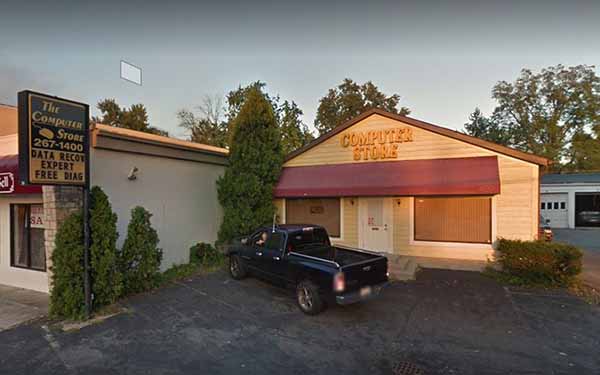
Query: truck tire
{"x":308,"y":298}
{"x":237,"y":270}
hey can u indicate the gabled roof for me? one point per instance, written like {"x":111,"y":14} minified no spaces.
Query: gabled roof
{"x":425,"y":126}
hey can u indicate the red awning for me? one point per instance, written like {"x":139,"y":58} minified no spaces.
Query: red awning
{"x":458,"y":176}
{"x":9,"y":177}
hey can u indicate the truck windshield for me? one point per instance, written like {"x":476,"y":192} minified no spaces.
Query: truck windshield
{"x":308,"y":238}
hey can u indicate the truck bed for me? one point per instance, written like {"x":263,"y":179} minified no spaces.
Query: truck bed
{"x":340,"y":255}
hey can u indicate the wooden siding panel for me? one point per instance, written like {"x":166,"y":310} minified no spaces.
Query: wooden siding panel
{"x":350,"y":222}
{"x":425,"y":145}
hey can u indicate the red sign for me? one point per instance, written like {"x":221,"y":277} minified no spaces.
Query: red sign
{"x":7,"y":183}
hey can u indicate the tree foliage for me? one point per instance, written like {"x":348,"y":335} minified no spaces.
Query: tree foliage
{"x":134,"y":117}
{"x":255,"y":159}
{"x":67,"y":297}
{"x":554,"y":113}
{"x":106,"y":278}
{"x":350,"y":99}
{"x":486,"y":128}
{"x":207,"y":127}
{"x":213,"y":124}
{"x":140,"y":257}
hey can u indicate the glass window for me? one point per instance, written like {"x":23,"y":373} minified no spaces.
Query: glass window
{"x":556,"y":205}
{"x":563,"y":205}
{"x":324,"y":212}
{"x":275,"y":241}
{"x":27,"y":237}
{"x":453,"y":219}
{"x":543,"y":205}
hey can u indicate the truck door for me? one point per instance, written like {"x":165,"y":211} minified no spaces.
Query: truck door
{"x":272,"y":261}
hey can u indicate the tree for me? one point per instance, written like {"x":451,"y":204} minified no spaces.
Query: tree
{"x":140,"y":258}
{"x":134,"y":118}
{"x":486,"y":128}
{"x":554,"y":113}
{"x":294,"y":133}
{"x":245,"y":191}
{"x":106,"y":278}
{"x":209,"y":126}
{"x":349,"y":100}
{"x":542,"y":111}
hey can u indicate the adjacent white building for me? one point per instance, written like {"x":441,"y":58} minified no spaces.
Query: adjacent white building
{"x":571,"y":200}
{"x":173,"y":179}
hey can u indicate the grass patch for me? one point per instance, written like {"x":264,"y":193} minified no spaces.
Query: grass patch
{"x":507,"y":278}
{"x":587,"y":293}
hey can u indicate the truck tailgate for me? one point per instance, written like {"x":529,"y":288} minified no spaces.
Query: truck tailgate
{"x":368,"y":272}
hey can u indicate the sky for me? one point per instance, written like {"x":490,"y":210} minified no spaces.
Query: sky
{"x":441,"y":57}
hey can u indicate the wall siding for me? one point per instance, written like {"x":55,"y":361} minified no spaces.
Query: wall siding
{"x":516,"y":207}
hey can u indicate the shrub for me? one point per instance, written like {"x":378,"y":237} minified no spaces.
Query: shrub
{"x":140,"y":257}
{"x":67,"y":297}
{"x":538,"y":262}
{"x":206,"y":255}
{"x":106,"y":279}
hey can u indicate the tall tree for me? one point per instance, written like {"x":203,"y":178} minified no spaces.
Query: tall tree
{"x":209,"y":126}
{"x":349,"y":100}
{"x":486,"y":128}
{"x":294,"y":133}
{"x":214,"y":124}
{"x":245,"y":191}
{"x":134,"y":117}
{"x":553,"y":113}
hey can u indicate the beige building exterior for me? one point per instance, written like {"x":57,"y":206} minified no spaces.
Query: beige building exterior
{"x":440,"y":194}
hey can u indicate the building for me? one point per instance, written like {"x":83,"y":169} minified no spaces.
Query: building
{"x":173,"y":179}
{"x":392,"y":183}
{"x":571,"y":200}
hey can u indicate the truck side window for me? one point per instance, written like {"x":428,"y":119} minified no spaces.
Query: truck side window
{"x":274,"y":241}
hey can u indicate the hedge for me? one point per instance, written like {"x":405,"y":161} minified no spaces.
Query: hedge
{"x":539,"y":262}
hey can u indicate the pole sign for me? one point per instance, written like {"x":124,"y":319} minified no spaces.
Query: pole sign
{"x":53,"y":140}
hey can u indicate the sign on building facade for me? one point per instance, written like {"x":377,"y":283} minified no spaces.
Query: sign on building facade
{"x":53,"y":140}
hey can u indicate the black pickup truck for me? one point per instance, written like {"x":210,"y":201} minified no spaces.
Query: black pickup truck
{"x":302,"y":257}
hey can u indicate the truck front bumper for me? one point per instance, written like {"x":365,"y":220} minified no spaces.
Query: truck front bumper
{"x":364,"y":294}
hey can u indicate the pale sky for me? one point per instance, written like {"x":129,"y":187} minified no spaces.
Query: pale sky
{"x":441,"y":57}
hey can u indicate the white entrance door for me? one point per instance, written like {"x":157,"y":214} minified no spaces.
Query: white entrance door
{"x":555,"y":208}
{"x":375,"y":224}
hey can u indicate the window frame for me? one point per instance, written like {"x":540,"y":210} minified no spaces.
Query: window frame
{"x":477,"y":243}
{"x":28,"y":231}
{"x":341,"y":212}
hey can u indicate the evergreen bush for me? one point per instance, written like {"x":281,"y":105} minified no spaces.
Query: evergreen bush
{"x":245,"y":191}
{"x":539,"y":262}
{"x":106,"y":279}
{"x":67,"y":298}
{"x":140,"y":257}
{"x":206,"y":255}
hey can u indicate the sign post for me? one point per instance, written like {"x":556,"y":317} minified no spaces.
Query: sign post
{"x":54,"y":149}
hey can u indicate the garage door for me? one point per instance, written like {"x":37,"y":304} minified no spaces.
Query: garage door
{"x":587,"y":210}
{"x":554,"y":208}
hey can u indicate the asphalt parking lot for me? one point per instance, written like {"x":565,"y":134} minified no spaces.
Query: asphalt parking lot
{"x":446,"y":322}
{"x":589,"y":241}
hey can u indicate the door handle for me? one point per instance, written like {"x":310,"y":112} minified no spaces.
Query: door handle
{"x":259,"y":253}
{"x":276,"y":258}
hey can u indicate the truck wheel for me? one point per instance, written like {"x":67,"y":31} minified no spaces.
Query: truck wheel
{"x":236,"y":267}
{"x":308,"y":298}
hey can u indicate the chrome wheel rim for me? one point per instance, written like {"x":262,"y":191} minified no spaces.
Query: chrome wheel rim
{"x":234,"y":266}
{"x":305,"y":298}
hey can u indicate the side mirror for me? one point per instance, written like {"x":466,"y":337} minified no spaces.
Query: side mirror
{"x":244,"y":240}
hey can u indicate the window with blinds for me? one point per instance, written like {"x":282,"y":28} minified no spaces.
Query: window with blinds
{"x":322,"y":211}
{"x":453,"y":219}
